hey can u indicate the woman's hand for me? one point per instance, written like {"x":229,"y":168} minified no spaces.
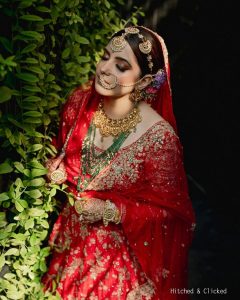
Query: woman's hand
{"x":56,"y":170}
{"x":90,"y":210}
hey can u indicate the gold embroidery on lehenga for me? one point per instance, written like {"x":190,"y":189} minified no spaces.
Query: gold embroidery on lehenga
{"x":128,"y":165}
{"x":145,"y":290}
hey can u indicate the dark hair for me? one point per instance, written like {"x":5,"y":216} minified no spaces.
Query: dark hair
{"x":156,"y":53}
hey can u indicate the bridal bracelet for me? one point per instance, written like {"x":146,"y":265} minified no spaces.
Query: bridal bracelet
{"x":111,"y":213}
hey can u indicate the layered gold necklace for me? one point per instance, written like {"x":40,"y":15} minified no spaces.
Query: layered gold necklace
{"x":114,"y":127}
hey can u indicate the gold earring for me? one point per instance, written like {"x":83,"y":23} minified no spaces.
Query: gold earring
{"x":136,"y":95}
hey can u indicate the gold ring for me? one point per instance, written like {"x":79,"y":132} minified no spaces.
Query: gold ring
{"x":58,"y":175}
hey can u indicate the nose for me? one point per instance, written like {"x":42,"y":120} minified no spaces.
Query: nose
{"x":105,"y":67}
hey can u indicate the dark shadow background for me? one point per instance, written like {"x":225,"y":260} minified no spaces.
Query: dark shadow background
{"x":201,"y":37}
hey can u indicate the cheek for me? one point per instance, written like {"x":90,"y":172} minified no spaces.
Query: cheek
{"x":129,"y":78}
{"x":98,"y":66}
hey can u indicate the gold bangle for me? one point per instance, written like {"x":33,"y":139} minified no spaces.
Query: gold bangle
{"x":118,"y":217}
{"x":110,"y":213}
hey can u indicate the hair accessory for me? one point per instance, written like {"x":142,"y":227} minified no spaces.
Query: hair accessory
{"x":150,"y":92}
{"x":118,"y":43}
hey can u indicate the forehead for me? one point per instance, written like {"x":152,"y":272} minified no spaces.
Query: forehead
{"x":126,"y":53}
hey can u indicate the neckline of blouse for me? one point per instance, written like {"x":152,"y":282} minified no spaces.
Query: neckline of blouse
{"x":138,"y":139}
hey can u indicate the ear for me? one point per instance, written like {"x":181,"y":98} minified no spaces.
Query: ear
{"x":144,"y":82}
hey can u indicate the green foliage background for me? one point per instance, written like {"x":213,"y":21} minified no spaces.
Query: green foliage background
{"x":47,"y":49}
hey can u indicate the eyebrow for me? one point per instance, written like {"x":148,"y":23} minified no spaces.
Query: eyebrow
{"x":119,"y":57}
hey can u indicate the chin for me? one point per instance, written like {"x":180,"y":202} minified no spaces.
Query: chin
{"x":101,"y":90}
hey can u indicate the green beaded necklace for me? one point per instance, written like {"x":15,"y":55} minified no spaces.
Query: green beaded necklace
{"x":91,"y":163}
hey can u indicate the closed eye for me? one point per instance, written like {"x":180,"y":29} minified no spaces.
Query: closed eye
{"x":121,"y":68}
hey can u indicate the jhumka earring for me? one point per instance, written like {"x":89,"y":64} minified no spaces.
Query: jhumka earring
{"x":136,"y":95}
{"x":118,"y":43}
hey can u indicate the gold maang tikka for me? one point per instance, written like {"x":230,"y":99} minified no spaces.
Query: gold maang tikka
{"x":118,"y":43}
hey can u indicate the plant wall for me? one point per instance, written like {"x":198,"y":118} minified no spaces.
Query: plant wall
{"x":47,"y":49}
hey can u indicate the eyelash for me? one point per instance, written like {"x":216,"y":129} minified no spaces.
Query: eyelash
{"x":106,"y":57}
{"x":120,"y":68}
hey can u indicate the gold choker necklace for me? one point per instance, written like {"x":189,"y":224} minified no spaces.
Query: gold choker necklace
{"x":114,"y":127}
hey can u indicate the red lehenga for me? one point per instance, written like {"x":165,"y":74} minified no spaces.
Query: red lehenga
{"x":145,"y":256}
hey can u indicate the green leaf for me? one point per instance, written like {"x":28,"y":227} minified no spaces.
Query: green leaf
{"x":36,"y":182}
{"x":6,"y":44}
{"x":32,"y":121}
{"x":5,"y":94}
{"x":3,"y":235}
{"x":32,"y":34}
{"x":28,"y":77}
{"x":50,"y":77}
{"x":36,"y":70}
{"x":21,"y":152}
{"x":35,"y":147}
{"x":43,"y":9}
{"x":26,"y":172}
{"x":32,"y":99}
{"x":12,"y":251}
{"x":33,"y":18}
{"x":28,"y":48}
{"x":19,"y":166}
{"x":35,"y":134}
{"x":32,"y":113}
{"x":43,"y":234}
{"x":107,"y":4}
{"x":46,"y":120}
{"x":19,"y":236}
{"x":15,"y":295}
{"x":38,"y":172}
{"x":4,"y":196}
{"x":83,"y":59}
{"x":81,"y":39}
{"x":18,"y":206}
{"x":5,"y":168}
{"x":2,"y":261}
{"x":32,"y":88}
{"x":9,"y":61}
{"x":35,"y":194}
{"x":37,"y":165}
{"x":25,"y":3}
{"x":31,"y":60}
{"x":33,"y":240}
{"x":44,"y":224}
{"x":35,"y":212}
{"x":43,"y":266}
{"x":29,"y":224}
{"x":23,"y":203}
{"x":65,"y":53}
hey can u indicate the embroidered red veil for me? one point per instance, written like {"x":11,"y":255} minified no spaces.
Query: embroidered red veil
{"x":159,"y":228}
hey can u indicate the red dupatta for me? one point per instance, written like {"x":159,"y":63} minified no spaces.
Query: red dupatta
{"x":159,"y":228}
